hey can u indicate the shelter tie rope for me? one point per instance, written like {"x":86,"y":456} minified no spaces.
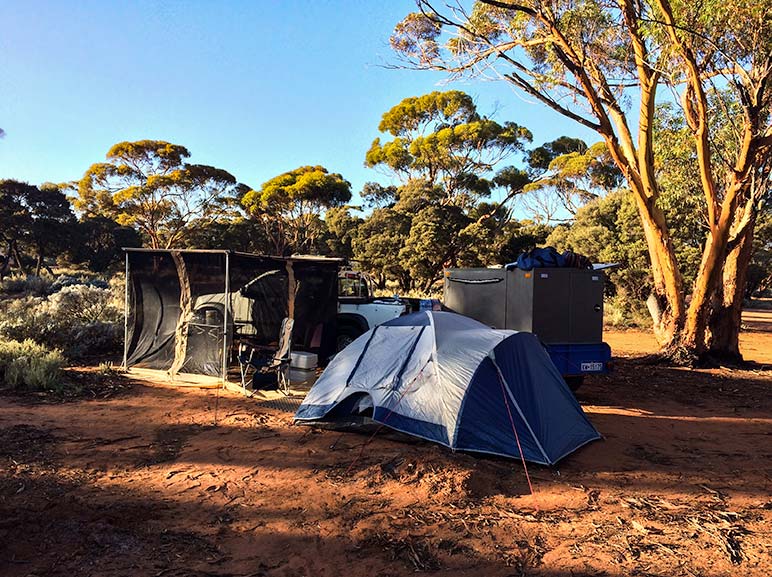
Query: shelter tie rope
{"x":217,"y":403}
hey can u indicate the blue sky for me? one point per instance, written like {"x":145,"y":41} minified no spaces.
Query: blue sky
{"x":256,"y":88}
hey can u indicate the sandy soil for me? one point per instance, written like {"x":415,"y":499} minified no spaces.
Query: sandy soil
{"x":153,"y":480}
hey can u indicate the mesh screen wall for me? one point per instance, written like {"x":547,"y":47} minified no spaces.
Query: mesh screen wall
{"x":187,"y":309}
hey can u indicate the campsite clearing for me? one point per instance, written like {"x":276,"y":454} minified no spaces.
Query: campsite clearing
{"x":140,"y":481}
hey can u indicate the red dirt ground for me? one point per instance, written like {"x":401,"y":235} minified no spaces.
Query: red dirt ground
{"x":148,"y":479}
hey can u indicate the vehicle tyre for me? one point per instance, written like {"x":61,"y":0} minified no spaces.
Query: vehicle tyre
{"x":346,"y":335}
{"x":574,"y":382}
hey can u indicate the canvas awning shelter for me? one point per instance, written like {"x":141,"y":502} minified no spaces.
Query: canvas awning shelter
{"x":452,"y":380}
{"x":185,"y":308}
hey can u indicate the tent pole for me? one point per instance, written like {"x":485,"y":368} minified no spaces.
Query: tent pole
{"x":126,"y":314}
{"x":225,"y":318}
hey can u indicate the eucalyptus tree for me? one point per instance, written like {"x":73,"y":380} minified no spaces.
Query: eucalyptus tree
{"x":444,"y":154}
{"x":149,"y":185}
{"x":440,"y":138}
{"x":15,"y":221}
{"x":602,"y":63}
{"x":54,"y":226}
{"x":34,"y":221}
{"x":377,"y":245}
{"x":342,"y":229}
{"x":290,"y":206}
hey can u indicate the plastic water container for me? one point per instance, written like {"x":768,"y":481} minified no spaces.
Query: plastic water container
{"x":303,"y":360}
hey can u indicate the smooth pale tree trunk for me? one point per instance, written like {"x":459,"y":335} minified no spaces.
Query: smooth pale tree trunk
{"x":723,"y":339}
{"x":666,"y":303}
{"x":710,"y":326}
{"x":695,"y":337}
{"x":713,"y":321}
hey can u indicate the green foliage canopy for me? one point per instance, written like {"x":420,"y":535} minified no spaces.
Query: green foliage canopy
{"x":342,"y":229}
{"x":571,"y":173}
{"x":289,"y":206}
{"x":377,"y":245}
{"x":149,"y":184}
{"x":36,"y":220}
{"x":440,"y":137}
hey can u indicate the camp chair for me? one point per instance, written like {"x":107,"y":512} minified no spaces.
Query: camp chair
{"x":278,"y":363}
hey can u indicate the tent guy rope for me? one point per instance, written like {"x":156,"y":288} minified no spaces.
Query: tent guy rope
{"x":517,"y":439}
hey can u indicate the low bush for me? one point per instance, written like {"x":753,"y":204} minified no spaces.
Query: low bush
{"x":622,"y":312}
{"x":69,"y":280}
{"x":30,"y":284}
{"x":79,"y":319}
{"x":28,"y":365}
{"x":43,"y":285}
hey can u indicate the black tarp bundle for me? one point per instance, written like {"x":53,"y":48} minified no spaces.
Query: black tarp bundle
{"x":186,"y":308}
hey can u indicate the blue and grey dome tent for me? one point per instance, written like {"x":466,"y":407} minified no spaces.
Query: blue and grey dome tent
{"x":452,"y":380}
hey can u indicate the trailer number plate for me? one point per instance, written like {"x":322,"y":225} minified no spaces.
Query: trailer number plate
{"x":591,"y":367}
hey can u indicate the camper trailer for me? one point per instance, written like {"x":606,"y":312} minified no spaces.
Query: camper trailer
{"x":563,"y":307}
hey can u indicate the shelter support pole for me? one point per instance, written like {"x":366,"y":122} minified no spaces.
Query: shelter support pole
{"x":126,"y":315}
{"x":227,"y":307}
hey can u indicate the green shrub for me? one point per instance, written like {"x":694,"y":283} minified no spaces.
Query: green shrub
{"x":43,"y":285}
{"x":79,"y":319}
{"x":28,"y":365}
{"x":620,"y":311}
{"x":69,"y":280}
{"x":30,"y":284}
